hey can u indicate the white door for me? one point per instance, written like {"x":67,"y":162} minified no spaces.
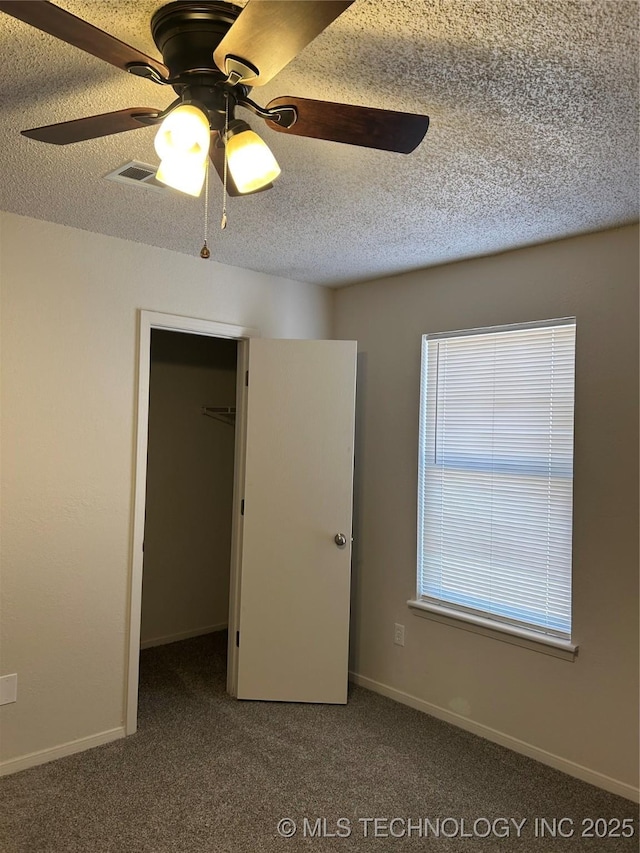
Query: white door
{"x":294,"y":579}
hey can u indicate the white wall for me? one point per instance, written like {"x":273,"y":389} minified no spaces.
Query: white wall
{"x":188,"y":511}
{"x":69,"y":358}
{"x":585,"y":712}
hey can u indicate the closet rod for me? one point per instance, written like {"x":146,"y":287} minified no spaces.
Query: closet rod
{"x":226,"y":414}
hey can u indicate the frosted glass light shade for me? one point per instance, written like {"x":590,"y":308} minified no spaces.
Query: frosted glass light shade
{"x":185,"y":174}
{"x":182,"y":143}
{"x":250,"y":161}
{"x":185,"y":132}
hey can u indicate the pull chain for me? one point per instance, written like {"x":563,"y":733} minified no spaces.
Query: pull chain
{"x":204,"y":251}
{"x":223,"y":221}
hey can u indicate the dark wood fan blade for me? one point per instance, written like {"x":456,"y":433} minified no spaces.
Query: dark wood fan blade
{"x":372,"y":128}
{"x":216,"y":154}
{"x":270,"y":33}
{"x":65,"y":26}
{"x":92,"y":127}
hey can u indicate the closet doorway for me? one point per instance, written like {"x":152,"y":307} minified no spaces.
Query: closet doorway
{"x":293,"y":470}
{"x":189,"y":486}
{"x":185,"y":348}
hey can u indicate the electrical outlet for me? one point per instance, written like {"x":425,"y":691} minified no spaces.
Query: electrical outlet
{"x":398,"y":635}
{"x":8,"y":689}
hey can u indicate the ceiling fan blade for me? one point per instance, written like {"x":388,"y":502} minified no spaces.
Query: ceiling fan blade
{"x":372,"y":128}
{"x":65,"y":26}
{"x":268,"y":34}
{"x":217,"y":155}
{"x":92,"y":127}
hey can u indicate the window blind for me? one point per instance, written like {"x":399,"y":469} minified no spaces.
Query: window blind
{"x":496,"y":474}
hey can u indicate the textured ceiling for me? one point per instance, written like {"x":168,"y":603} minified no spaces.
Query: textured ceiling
{"x":534,"y":136}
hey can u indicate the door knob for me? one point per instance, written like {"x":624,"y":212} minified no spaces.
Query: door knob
{"x":340,"y":539}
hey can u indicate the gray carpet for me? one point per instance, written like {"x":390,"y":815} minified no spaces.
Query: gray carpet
{"x":207,"y":773}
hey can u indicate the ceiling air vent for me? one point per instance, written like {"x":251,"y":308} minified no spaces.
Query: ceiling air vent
{"x":137,"y":174}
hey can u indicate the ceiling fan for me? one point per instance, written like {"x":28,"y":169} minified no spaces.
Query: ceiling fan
{"x":213,"y":53}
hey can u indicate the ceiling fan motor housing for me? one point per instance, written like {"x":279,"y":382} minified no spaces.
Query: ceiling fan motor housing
{"x":187,"y":33}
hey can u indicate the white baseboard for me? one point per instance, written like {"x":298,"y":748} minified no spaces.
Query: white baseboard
{"x":32,"y":759}
{"x":614,"y":786}
{"x":183,"y":635}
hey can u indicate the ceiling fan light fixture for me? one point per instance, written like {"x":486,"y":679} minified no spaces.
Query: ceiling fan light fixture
{"x":182,"y":143}
{"x":183,"y":173}
{"x":249,"y":158}
{"x":185,"y":132}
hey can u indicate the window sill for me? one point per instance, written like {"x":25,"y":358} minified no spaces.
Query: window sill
{"x":553,"y":646}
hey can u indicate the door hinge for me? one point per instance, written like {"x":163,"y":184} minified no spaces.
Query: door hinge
{"x":242,"y":507}
{"x":238,"y":639}
{"x":246,"y":378}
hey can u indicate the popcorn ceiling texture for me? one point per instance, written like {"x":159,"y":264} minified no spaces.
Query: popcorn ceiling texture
{"x":533,"y":137}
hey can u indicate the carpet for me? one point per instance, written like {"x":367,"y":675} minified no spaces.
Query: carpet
{"x":209,"y":774}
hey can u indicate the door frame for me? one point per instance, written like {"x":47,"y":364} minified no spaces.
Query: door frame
{"x":148,"y":320}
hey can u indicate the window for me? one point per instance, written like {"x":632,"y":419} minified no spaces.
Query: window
{"x":496,"y":477}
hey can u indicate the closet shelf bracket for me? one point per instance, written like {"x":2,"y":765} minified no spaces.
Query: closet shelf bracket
{"x":226,"y":414}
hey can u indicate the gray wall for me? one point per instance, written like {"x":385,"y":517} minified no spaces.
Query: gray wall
{"x":187,"y":542}
{"x":585,"y":712}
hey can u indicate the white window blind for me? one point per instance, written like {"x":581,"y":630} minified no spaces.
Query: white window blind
{"x":496,"y":474}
